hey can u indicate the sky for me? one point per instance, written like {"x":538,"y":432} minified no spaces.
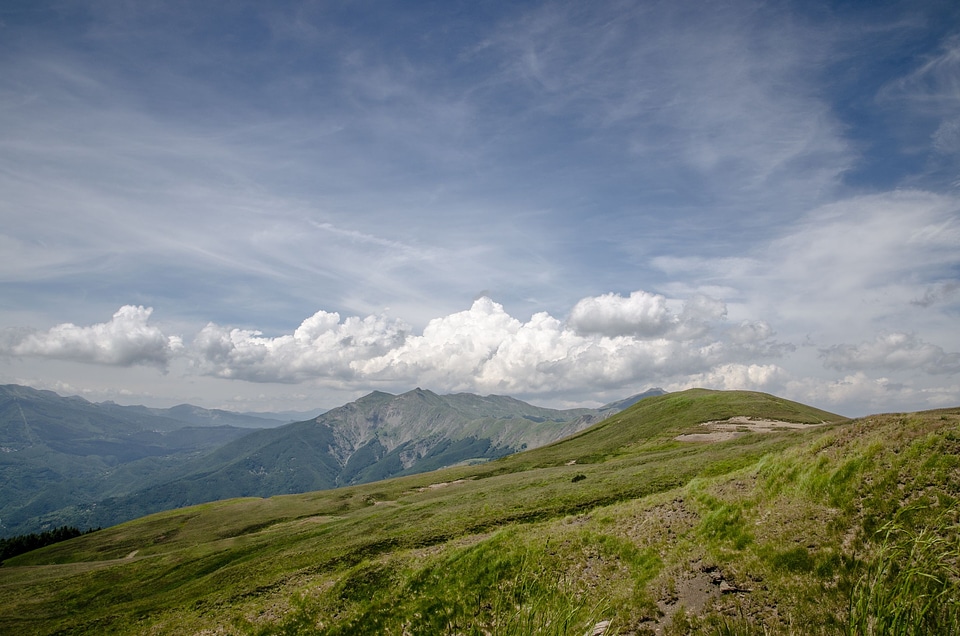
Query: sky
{"x":287,"y":205}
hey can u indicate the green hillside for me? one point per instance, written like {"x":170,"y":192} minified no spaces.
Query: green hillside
{"x":825,"y":527}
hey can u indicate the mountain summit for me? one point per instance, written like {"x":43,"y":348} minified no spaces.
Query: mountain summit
{"x":375,"y":437}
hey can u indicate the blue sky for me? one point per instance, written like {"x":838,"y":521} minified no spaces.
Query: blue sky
{"x":286,"y":205}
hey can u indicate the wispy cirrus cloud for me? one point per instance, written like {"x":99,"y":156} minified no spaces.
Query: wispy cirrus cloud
{"x":931,"y":87}
{"x":858,"y":260}
{"x":926,"y":100}
{"x":680,"y":93}
{"x":892,"y":351}
{"x":937,"y":293}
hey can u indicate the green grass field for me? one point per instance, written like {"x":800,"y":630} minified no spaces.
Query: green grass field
{"x":838,"y":527}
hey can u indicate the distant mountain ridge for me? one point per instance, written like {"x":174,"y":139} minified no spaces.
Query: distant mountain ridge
{"x":198,"y":416}
{"x":374,"y":437}
{"x":59,"y":451}
{"x":285,"y":417}
{"x":377,"y":436}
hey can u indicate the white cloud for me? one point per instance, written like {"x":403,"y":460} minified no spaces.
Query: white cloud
{"x":925,"y":102}
{"x":842,"y":268}
{"x":892,"y":351}
{"x":946,"y":139}
{"x":931,"y":87}
{"x":752,"y":339}
{"x":452,"y":351}
{"x":748,"y":333}
{"x":643,"y":315}
{"x":730,"y":377}
{"x":856,"y":389}
{"x":609,"y":342}
{"x":124,"y":341}
{"x":722,"y":91}
{"x":938,"y":293}
{"x":321,"y":347}
{"x":863,"y":242}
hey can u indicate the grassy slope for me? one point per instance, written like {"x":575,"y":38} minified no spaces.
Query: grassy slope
{"x":788,"y":522}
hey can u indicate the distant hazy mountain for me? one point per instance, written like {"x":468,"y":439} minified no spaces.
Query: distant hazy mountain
{"x":286,"y":417}
{"x":378,"y":436}
{"x":197,"y":416}
{"x":63,"y":451}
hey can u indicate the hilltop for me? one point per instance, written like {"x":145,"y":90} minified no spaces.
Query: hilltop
{"x":798,"y":522}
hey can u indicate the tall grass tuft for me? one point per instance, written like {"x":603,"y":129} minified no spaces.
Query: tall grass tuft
{"x":523,"y":606}
{"x":501,"y":586}
{"x":912,"y":586}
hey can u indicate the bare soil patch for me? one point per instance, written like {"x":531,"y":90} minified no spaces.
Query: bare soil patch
{"x":722,"y":430}
{"x":695,"y":591}
{"x":442,"y":484}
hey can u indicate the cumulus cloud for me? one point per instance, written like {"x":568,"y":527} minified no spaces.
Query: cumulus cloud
{"x":750,"y":332}
{"x":126,"y":340}
{"x":730,"y":377}
{"x":485,"y":349}
{"x":321,"y":347}
{"x":609,"y":341}
{"x":643,"y":315}
{"x":892,"y":351}
{"x":753,"y":339}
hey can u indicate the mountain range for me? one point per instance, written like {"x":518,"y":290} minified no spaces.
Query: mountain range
{"x":68,"y":461}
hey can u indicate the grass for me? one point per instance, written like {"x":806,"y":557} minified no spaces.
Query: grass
{"x":794,"y":523}
{"x":910,"y":585}
{"x":498,"y":585}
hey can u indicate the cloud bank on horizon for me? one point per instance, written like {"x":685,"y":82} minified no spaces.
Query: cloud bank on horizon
{"x":289,"y":205}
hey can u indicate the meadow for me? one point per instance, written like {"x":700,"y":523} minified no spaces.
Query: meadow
{"x":835,"y":527}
